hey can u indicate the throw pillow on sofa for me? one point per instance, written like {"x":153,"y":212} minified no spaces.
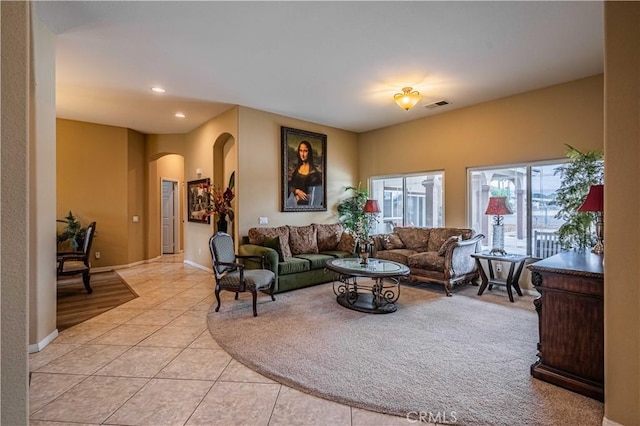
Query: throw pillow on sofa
{"x":449,"y":242}
{"x":414,"y":238}
{"x":303,"y":240}
{"x":391,"y":242}
{"x":347,"y":243}
{"x":256,"y":236}
{"x":274,"y":243}
{"x":328,"y":236}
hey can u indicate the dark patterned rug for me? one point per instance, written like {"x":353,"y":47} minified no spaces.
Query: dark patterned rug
{"x":74,"y":305}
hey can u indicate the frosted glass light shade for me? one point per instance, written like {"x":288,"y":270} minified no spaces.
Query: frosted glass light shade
{"x":408,"y":98}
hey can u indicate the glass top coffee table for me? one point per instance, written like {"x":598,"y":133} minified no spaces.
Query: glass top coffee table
{"x":378,"y":297}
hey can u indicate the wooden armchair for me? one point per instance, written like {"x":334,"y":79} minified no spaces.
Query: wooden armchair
{"x":232,"y":276}
{"x":75,"y":263}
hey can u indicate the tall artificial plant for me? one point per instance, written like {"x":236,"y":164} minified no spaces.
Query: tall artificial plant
{"x":351,"y":212}
{"x":583,"y":170}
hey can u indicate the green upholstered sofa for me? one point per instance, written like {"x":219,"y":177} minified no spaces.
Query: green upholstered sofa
{"x":437,"y":255}
{"x":297,"y":254}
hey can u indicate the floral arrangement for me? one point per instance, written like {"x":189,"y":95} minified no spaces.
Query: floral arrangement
{"x":219,"y":201}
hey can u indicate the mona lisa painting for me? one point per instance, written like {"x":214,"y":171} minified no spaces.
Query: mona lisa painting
{"x":304,"y":165}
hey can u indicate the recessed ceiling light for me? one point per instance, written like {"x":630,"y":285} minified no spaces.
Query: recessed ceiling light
{"x":180,"y":115}
{"x":158,"y":90}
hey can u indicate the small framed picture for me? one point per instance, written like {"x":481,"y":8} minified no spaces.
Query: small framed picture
{"x":197,"y":201}
{"x":304,"y":166}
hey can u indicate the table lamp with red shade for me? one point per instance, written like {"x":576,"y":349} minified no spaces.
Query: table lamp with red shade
{"x":498,"y":207}
{"x":370,"y":209}
{"x":595,"y":203}
{"x":371,"y":206}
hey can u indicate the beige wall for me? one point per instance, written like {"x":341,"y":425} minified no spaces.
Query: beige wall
{"x":94,"y":169}
{"x":159,"y":145}
{"x":42,"y":196}
{"x":255,"y":136}
{"x":622,"y":203}
{"x":528,"y":127}
{"x":199,"y":154}
{"x":259,"y":177}
{"x":136,"y":196}
{"x":15,"y":44}
{"x":172,"y":167}
{"x":110,"y":174}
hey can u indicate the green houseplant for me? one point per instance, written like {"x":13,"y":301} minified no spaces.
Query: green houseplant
{"x":350,"y":210}
{"x":583,"y":170}
{"x":354,"y":219}
{"x":72,"y":232}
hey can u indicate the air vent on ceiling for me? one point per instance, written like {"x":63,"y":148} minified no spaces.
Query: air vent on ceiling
{"x":437,"y":104}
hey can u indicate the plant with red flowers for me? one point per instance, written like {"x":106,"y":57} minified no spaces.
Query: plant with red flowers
{"x":219,"y":201}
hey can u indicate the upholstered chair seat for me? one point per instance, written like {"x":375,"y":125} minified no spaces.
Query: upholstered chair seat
{"x":75,"y":266}
{"x":254,"y":279}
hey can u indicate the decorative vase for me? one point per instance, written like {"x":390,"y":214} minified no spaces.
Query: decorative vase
{"x":222,"y":223}
{"x":363,"y":252}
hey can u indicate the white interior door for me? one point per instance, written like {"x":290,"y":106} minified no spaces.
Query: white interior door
{"x":169,"y":194}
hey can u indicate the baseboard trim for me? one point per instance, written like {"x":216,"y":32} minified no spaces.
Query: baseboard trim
{"x":113,"y":268}
{"x":37,"y":347}
{"x":128,"y":265}
{"x":204,"y":268}
{"x":607,"y":422}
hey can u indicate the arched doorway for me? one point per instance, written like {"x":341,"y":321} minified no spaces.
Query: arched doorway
{"x":225,"y":161}
{"x":165,"y":200}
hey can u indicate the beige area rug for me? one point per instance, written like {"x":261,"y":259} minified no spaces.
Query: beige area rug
{"x":465,"y":358}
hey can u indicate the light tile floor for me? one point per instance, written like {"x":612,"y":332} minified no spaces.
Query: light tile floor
{"x":152,"y":361}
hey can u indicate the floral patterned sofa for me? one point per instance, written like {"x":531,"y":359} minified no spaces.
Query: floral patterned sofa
{"x":297,"y":254}
{"x":438,"y":255}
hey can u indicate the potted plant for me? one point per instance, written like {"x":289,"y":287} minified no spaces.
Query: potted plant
{"x":354,"y":219}
{"x":583,"y":170}
{"x":73,"y":232}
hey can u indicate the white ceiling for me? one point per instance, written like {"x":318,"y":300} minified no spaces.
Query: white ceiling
{"x":333,"y":63}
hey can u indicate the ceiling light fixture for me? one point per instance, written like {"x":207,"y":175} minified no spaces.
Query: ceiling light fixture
{"x":180,"y":115}
{"x":158,"y":90}
{"x":407,"y":99}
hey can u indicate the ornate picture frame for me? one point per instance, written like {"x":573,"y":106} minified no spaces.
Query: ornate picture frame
{"x":196,"y":201}
{"x":304,"y":166}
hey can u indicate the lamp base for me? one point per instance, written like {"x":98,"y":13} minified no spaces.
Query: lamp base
{"x":497,"y":252}
{"x":598,"y":248}
{"x":498,"y":240}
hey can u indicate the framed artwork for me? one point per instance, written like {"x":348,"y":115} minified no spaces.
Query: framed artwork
{"x":304,"y":165}
{"x":197,"y":201}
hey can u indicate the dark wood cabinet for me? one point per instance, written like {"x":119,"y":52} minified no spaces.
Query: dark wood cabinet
{"x":571,"y":321}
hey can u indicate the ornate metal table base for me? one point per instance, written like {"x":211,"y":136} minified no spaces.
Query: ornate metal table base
{"x":378,"y":298}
